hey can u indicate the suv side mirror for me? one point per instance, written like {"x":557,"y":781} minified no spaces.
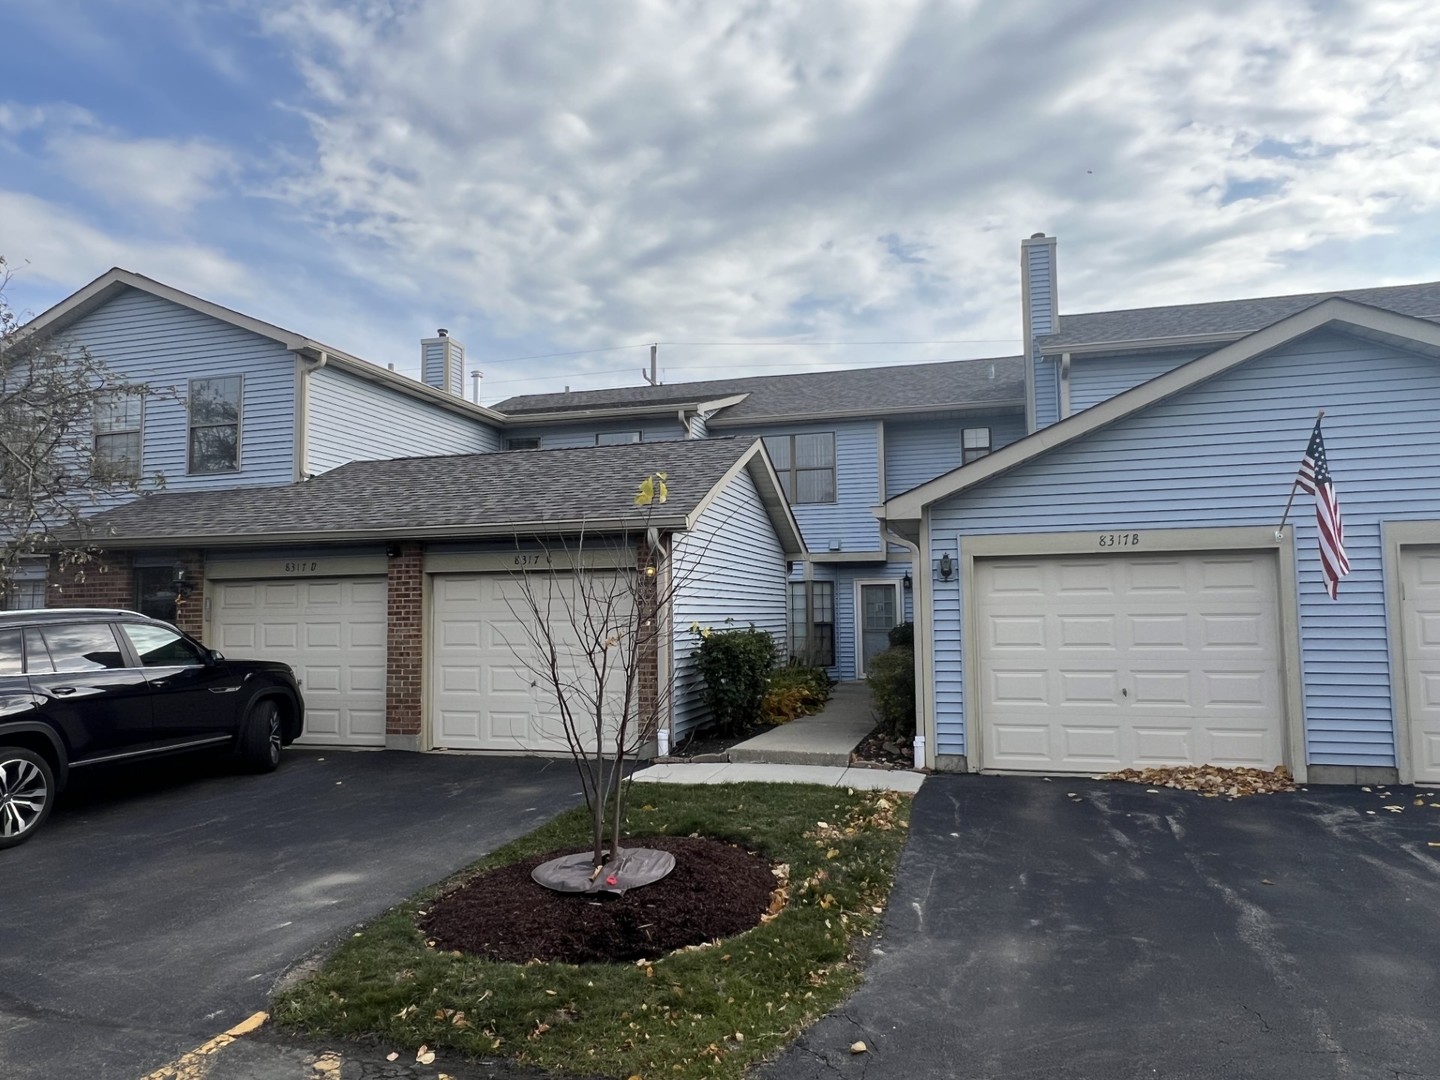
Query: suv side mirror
{"x":214,"y":655}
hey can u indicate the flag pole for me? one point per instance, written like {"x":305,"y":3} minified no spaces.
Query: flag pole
{"x":1280,"y":529}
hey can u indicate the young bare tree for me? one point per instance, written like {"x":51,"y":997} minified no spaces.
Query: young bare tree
{"x":595,"y":614}
{"x":69,"y":443}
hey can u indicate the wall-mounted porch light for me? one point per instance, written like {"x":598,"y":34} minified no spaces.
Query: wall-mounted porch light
{"x":947,"y":567}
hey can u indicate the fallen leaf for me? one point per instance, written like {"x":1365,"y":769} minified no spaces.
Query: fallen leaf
{"x":858,"y":1048}
{"x":392,"y":1056}
{"x":425,"y":1056}
{"x":1266,"y":881}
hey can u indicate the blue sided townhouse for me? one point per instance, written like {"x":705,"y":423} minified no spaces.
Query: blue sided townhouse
{"x":1087,"y":537}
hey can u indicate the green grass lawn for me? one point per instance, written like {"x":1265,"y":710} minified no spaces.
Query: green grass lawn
{"x":708,"y":1012}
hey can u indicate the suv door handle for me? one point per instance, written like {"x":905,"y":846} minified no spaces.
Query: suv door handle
{"x":63,"y":691}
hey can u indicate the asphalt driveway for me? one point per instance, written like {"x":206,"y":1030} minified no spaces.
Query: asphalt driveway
{"x":157,"y":908}
{"x":1092,"y":929}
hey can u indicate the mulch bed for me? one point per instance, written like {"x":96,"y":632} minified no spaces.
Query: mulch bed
{"x":716,"y":890}
{"x":705,"y":743}
{"x":871,"y":750}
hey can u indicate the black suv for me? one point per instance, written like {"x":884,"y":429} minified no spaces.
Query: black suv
{"x":82,"y":687}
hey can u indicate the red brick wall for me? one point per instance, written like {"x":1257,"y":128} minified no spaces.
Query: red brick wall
{"x":404,"y":673}
{"x":108,"y":581}
{"x":646,"y":595}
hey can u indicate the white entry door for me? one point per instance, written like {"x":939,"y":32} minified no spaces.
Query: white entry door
{"x":1097,"y":663}
{"x":878,"y":610}
{"x":1420,"y":610}
{"x":330,"y":630}
{"x":487,"y":689}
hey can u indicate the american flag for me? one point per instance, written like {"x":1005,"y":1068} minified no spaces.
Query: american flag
{"x":1315,"y":478}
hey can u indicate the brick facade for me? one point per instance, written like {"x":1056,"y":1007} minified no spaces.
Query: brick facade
{"x":405,"y":643}
{"x":108,"y":581}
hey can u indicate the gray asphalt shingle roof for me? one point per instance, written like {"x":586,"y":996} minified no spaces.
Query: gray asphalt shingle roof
{"x":1228,"y":316}
{"x":950,"y":383}
{"x":522,"y":487}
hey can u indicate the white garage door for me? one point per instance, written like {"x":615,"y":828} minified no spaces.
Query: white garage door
{"x":483,"y":696}
{"x":1420,"y":578}
{"x":331,"y":631}
{"x":1098,"y":663}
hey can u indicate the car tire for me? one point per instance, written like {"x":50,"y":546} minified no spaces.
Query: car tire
{"x":27,"y":791}
{"x":261,"y":737}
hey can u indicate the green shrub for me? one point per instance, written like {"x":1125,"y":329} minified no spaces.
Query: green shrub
{"x":902,"y":636}
{"x":795,"y":691}
{"x":891,"y":677}
{"x":735,"y":667}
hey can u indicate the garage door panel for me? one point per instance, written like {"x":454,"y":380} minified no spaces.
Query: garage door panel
{"x":1088,"y":688}
{"x":1159,"y":631}
{"x":1086,"y":631}
{"x":1420,"y":636}
{"x":1163,"y":578}
{"x":1163,"y":688}
{"x":484,"y":696}
{"x":1128,"y":658}
{"x":331,"y":631}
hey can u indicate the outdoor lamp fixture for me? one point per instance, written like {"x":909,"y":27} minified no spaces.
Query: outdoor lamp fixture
{"x":947,"y":567}
{"x":182,"y":586}
{"x":907,"y":581}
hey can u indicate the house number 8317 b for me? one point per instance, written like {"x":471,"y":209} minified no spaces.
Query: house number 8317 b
{"x":1119,"y":540}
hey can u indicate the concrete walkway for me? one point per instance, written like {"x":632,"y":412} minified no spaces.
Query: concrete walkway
{"x":823,"y":739}
{"x":729,"y":772}
{"x":810,"y":750}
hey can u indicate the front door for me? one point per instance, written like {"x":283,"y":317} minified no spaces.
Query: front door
{"x":879,"y":613}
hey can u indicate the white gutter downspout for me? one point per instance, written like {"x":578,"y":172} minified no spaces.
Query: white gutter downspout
{"x":920,"y":599}
{"x":302,"y":412}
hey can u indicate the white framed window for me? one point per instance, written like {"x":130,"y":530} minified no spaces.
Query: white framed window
{"x":215,"y":415}
{"x":119,"y":419}
{"x":616,"y":438}
{"x":812,"y":623}
{"x":805,"y":465}
{"x":974,"y":444}
{"x":26,"y":587}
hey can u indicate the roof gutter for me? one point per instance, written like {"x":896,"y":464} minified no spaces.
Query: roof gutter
{"x":871,"y":413}
{"x":412,"y":532}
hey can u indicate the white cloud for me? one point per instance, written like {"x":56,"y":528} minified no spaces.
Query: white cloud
{"x":618,"y":172}
{"x":170,"y":175}
{"x":45,"y":242}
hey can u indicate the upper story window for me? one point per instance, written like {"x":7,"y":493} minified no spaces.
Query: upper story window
{"x":806,"y":465}
{"x":522,"y":444}
{"x":118,"y":420}
{"x":974,"y":443}
{"x":616,"y":438}
{"x":215,"y":424}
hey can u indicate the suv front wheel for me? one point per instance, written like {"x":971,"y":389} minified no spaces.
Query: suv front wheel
{"x":261,"y":737}
{"x":27,"y":789}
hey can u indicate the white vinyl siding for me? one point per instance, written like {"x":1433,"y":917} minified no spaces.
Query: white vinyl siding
{"x":352,"y":419}
{"x":149,"y":340}
{"x":729,"y":571}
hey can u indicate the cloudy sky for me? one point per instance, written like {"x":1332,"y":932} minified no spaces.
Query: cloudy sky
{"x":761,"y":185}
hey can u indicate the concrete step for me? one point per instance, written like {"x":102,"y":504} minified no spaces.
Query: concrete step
{"x":762,"y":755}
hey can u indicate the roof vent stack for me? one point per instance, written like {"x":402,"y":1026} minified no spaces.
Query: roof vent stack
{"x":442,"y":363}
